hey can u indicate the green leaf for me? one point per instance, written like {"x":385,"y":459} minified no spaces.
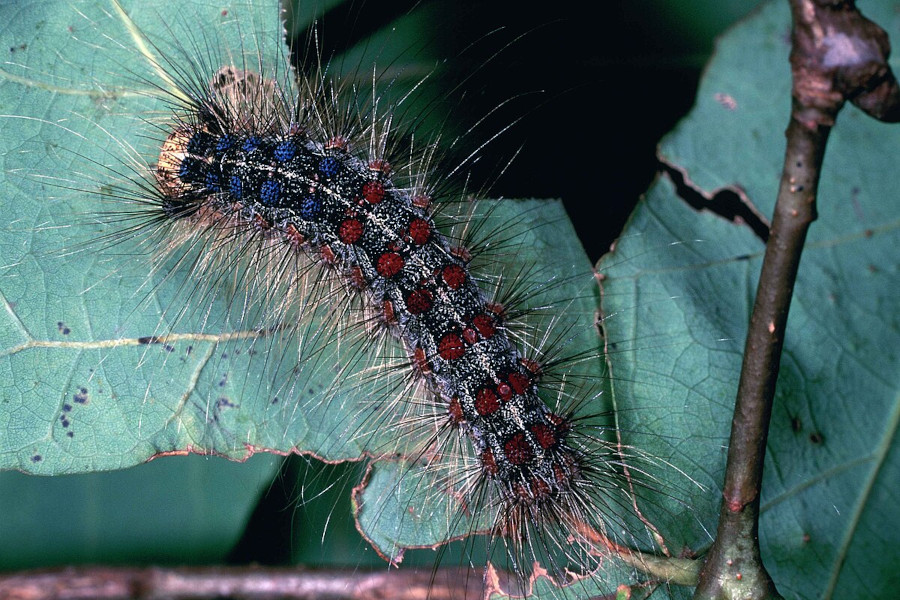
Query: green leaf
{"x":81,"y":392}
{"x":679,"y":315}
{"x":184,"y":510}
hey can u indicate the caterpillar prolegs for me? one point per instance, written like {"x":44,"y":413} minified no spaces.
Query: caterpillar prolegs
{"x":314,"y":265}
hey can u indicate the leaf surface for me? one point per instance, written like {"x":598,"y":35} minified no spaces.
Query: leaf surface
{"x":679,"y":315}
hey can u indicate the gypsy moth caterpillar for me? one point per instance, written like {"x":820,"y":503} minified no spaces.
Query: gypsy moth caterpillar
{"x":277,"y":409}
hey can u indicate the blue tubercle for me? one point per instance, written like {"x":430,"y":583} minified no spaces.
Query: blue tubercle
{"x":235,"y":187}
{"x":310,"y":207}
{"x":250,"y":144}
{"x":269,"y":192}
{"x":329,"y":166}
{"x":285,"y":151}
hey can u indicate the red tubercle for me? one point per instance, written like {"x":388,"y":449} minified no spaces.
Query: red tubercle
{"x":489,"y":463}
{"x":338,"y":143}
{"x":373,"y":191}
{"x":419,"y":231}
{"x":350,"y":231}
{"x":461,"y":252}
{"x":484,"y":324}
{"x":565,"y":469}
{"x":533,"y":366}
{"x":387,"y":310}
{"x":420,"y":361}
{"x":469,"y":335}
{"x":328,"y":254}
{"x":261,"y":223}
{"x":451,"y":347}
{"x":523,"y":492}
{"x":540,"y":489}
{"x":422,"y":201}
{"x":357,"y":280}
{"x":486,"y":402}
{"x":389,"y":264}
{"x":544,"y":435}
{"x":517,"y":450}
{"x":454,"y":409}
{"x":419,"y":301}
{"x":519,"y":382}
{"x":561,"y":474}
{"x":496,"y":309}
{"x":561,"y":423}
{"x":454,"y":276}
{"x":380,"y":166}
{"x":505,"y":392}
{"x":294,"y":236}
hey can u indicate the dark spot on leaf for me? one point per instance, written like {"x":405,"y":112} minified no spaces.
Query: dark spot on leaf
{"x":62,"y":328}
{"x":275,"y":400}
{"x":67,"y":407}
{"x":71,"y":434}
{"x":796,"y":424}
{"x":224,"y":403}
{"x":36,"y":458}
{"x":816,"y":438}
{"x":169,"y":348}
{"x":150,"y":339}
{"x":82,"y":396}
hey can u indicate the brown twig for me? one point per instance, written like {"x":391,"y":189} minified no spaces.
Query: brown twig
{"x":837,"y":55}
{"x":256,"y":583}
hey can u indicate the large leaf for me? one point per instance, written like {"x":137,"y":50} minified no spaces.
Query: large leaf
{"x":832,"y":465}
{"x":81,"y":391}
{"x":178,"y":510}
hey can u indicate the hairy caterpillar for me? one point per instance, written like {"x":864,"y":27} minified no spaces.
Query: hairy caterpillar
{"x":264,"y":295}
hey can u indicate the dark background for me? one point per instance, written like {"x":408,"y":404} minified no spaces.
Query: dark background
{"x":592,"y":87}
